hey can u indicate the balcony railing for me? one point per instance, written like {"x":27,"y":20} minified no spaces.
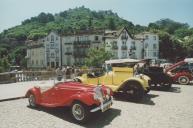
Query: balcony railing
{"x":35,"y":46}
{"x":86,"y":42}
{"x":68,"y":53}
{"x":123,"y":47}
{"x":79,"y":55}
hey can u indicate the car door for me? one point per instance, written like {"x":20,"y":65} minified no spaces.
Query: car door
{"x":63,"y":92}
{"x":49,"y":96}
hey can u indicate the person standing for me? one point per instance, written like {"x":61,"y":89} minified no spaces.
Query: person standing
{"x":59,"y":73}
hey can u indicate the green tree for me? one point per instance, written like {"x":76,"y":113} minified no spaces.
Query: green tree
{"x":189,"y":46}
{"x":96,"y":57}
{"x":4,"y":64}
{"x":111,"y":24}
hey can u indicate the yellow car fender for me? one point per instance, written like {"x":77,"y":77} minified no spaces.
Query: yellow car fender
{"x":141,"y":81}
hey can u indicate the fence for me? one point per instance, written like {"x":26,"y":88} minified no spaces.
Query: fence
{"x":20,"y":76}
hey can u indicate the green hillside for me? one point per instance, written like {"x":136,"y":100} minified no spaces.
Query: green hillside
{"x":177,"y":36}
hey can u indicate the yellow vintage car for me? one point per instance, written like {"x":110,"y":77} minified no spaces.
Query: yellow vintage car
{"x":119,"y":76}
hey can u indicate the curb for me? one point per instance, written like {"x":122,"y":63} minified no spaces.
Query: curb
{"x":15,"y":98}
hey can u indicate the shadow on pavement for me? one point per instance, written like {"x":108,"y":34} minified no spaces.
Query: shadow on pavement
{"x":172,"y":89}
{"x":147,"y":99}
{"x":97,"y":119}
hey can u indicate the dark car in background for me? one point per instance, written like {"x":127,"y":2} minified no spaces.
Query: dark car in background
{"x":158,"y":77}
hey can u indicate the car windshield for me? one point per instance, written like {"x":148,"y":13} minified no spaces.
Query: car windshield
{"x":122,"y":62}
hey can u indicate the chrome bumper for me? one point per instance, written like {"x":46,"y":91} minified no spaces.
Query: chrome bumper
{"x":104,"y":106}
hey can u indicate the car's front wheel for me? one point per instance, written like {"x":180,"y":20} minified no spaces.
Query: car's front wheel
{"x":32,"y":100}
{"x":80,"y":112}
{"x":183,"y":80}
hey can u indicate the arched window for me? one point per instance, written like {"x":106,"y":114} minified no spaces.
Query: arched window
{"x":52,"y":37}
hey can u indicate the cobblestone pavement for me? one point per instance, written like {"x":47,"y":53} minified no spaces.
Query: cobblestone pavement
{"x":160,"y":109}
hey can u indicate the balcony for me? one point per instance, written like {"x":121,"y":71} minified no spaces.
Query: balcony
{"x":97,"y":42}
{"x":80,"y":55}
{"x":86,"y":42}
{"x":69,"y":43}
{"x":68,"y":53}
{"x":124,"y":37}
{"x":115,"y":47}
{"x":133,"y":47}
{"x":31,"y":46}
{"x":123,"y":47}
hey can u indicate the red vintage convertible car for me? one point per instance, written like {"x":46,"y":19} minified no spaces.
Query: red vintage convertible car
{"x":82,"y":99}
{"x":181,"y":72}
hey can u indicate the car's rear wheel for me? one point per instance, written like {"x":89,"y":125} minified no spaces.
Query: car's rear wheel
{"x":80,"y":112}
{"x":166,"y":86}
{"x":134,"y":91}
{"x":32,"y":100}
{"x":183,"y":80}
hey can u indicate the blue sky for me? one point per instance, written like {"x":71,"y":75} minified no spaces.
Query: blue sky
{"x":13,"y":12}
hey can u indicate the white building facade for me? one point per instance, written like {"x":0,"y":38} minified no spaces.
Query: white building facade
{"x":35,"y":54}
{"x":55,"y":50}
{"x":75,"y":47}
{"x":123,"y":45}
{"x":150,"y":43}
{"x":120,"y":43}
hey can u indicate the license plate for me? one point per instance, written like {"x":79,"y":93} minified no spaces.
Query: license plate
{"x":106,"y":107}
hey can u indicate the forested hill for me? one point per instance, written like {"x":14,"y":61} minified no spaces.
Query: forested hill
{"x":178,"y":37}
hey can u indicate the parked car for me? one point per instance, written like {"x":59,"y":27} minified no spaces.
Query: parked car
{"x":119,"y":75}
{"x":181,"y":72}
{"x":158,"y":77}
{"x":82,"y":99}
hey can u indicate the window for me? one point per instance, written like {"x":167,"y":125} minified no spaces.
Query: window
{"x":133,"y":45}
{"x":87,"y":38}
{"x":124,"y":54}
{"x":68,"y":49}
{"x":155,"y":54}
{"x":52,"y":55}
{"x":32,"y":53}
{"x":115,"y":54}
{"x":56,"y":38}
{"x":52,"y":46}
{"x":146,"y":36}
{"x":57,"y":64}
{"x":42,"y":62}
{"x":146,"y":45}
{"x":32,"y":62}
{"x":154,"y":37}
{"x":36,"y":62}
{"x":52,"y":37}
{"x":77,"y":39}
{"x":123,"y":43}
{"x":154,"y":46}
{"x":47,"y":38}
{"x":96,"y":38}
